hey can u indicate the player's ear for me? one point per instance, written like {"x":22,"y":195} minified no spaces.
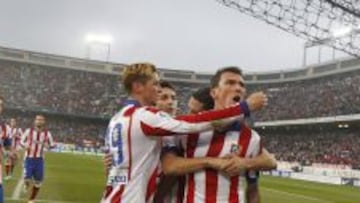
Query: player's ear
{"x":213,"y":92}
{"x":136,"y":87}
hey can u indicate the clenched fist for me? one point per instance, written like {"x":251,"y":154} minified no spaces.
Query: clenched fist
{"x":256,"y":101}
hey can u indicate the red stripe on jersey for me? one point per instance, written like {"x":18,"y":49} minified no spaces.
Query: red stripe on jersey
{"x":190,"y":151}
{"x":130,"y":111}
{"x":180,"y":189}
{"x":117,"y":197}
{"x":151,"y":188}
{"x":211,"y":175}
{"x":208,"y":116}
{"x":30,"y":139}
{"x":243,"y":142}
{"x":129,"y":144}
{"x":149,"y":130}
{"x":108,"y":190}
{"x":4,"y":133}
{"x":36,"y":144}
{"x":152,"y":110}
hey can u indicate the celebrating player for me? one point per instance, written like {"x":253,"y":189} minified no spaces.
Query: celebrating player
{"x":208,"y":185}
{"x":132,"y":133}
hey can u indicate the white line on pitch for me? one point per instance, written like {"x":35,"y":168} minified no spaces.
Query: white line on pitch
{"x":296,"y":195}
{"x":17,"y":191}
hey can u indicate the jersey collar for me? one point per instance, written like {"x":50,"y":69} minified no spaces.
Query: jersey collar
{"x":131,"y":102}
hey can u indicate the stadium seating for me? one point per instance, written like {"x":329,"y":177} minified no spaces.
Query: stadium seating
{"x":339,"y":147}
{"x":68,"y":92}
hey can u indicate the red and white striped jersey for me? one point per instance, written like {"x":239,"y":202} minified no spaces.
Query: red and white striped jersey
{"x":212,"y":186}
{"x":35,"y":141}
{"x":132,"y":139}
{"x":4,"y":132}
{"x":15,"y":134}
{"x":4,"y":135}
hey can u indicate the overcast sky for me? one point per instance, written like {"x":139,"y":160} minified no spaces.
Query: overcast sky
{"x":199,"y":35}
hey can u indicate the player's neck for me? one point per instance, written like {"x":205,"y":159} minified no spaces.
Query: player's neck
{"x":140,"y":99}
{"x":219,"y":106}
{"x":39,"y":128}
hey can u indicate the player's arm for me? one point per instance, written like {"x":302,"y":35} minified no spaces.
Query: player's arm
{"x":252,"y":189}
{"x":264,"y":161}
{"x":51,"y":143}
{"x":156,"y":123}
{"x":20,"y":134}
{"x":173,"y":164}
{"x":107,"y":160}
{"x":24,"y":138}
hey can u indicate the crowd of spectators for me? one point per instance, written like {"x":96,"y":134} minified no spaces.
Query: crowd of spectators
{"x":58,"y":89}
{"x":80,"y":92}
{"x":326,"y":96}
{"x":67,"y":94}
{"x":339,"y":147}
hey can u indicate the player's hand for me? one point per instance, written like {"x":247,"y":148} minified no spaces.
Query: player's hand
{"x":108,"y":160}
{"x":256,"y":101}
{"x":235,"y":166}
{"x":218,"y":164}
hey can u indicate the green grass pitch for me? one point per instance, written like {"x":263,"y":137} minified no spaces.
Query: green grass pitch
{"x":80,"y":178}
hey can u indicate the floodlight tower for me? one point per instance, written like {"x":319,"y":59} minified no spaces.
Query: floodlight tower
{"x":98,"y":39}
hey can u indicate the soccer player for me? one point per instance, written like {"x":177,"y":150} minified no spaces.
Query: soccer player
{"x":15,"y":135}
{"x":4,"y":143}
{"x":167,"y":98}
{"x":167,"y":102}
{"x":202,"y":100}
{"x":34,"y":141}
{"x":208,"y":185}
{"x":133,"y":133}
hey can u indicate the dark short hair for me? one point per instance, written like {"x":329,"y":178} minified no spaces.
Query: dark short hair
{"x":42,"y":115}
{"x":203,"y":96}
{"x":216,"y":78}
{"x":166,"y":84}
{"x":2,"y":98}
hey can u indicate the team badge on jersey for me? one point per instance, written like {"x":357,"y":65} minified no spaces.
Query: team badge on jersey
{"x":235,"y":148}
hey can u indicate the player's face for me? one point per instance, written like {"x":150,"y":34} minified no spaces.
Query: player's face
{"x":150,"y":89}
{"x":39,"y":121}
{"x":1,"y":106}
{"x":167,"y":101}
{"x":12,"y":122}
{"x":195,"y":106}
{"x":231,"y":89}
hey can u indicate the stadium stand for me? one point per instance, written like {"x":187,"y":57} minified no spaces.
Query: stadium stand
{"x":79,"y":98}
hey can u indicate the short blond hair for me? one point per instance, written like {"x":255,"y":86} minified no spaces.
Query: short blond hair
{"x":137,"y":72}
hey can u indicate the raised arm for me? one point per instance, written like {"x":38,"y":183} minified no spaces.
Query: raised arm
{"x":158,"y":123}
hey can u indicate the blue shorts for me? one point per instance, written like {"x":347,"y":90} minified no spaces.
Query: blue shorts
{"x":34,"y":169}
{"x":1,"y":194}
{"x":7,"y":142}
